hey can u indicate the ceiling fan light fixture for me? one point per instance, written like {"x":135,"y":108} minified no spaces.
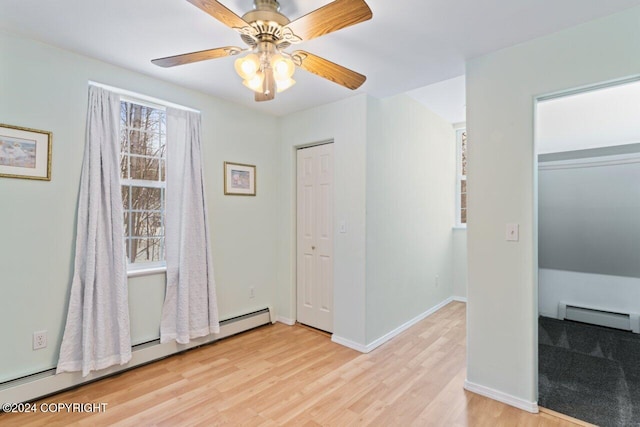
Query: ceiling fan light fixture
{"x":248,"y":66}
{"x":255,"y":83}
{"x":283,"y":68}
{"x":285,"y":84}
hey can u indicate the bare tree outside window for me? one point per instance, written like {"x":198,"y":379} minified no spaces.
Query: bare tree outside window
{"x":142,"y":166}
{"x":463,"y":178}
{"x":461,"y":174}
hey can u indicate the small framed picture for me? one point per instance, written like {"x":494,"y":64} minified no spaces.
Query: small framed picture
{"x":239,"y":179}
{"x":25,"y":153}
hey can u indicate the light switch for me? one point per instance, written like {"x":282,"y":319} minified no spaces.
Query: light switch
{"x":513,"y":232}
{"x":343,"y":226}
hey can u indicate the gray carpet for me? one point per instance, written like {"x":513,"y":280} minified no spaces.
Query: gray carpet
{"x":589,"y":372}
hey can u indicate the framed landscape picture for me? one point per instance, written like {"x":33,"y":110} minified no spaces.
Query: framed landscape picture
{"x":25,"y":153}
{"x":239,"y":179}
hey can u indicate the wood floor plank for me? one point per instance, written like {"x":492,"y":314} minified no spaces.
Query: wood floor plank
{"x":291,"y":375}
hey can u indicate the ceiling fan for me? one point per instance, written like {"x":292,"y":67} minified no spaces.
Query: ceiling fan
{"x":267,"y":32}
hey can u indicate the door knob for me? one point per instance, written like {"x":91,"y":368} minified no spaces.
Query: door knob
{"x":313,"y":248}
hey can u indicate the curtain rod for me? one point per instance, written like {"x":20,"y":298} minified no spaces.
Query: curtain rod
{"x":141,"y":97}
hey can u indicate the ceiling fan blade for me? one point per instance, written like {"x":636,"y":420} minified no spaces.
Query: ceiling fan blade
{"x":221,"y":13}
{"x":328,"y":70}
{"x":333,"y":17}
{"x":187,"y":58}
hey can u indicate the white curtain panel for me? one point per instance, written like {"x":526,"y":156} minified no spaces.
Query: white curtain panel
{"x":97,"y":333}
{"x":190,"y":308}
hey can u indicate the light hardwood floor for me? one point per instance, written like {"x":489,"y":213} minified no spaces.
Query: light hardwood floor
{"x":283,"y":375}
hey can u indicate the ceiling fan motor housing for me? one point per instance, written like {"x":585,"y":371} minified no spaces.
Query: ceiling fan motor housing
{"x":266,"y":5}
{"x":266,"y":20}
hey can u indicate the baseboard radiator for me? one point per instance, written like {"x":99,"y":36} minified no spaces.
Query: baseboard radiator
{"x":46,"y":383}
{"x":599,"y":316}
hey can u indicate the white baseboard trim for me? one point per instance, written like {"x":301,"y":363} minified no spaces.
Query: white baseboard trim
{"x":500,"y":396}
{"x":348,"y":343}
{"x":286,"y":320}
{"x":397,"y":331}
{"x":460,"y":299}
{"x":47,"y":383}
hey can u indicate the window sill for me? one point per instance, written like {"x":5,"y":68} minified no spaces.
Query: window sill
{"x":460,"y":227}
{"x":147,"y":271}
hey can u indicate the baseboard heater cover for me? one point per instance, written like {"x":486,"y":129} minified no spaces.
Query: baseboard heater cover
{"x":599,"y":316}
{"x":46,"y":383}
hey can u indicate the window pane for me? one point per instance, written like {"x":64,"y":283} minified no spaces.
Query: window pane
{"x":125,"y":197}
{"x":463,"y":216}
{"x":127,"y":231}
{"x":463,"y":186}
{"x":128,"y":248}
{"x":146,"y":224}
{"x":124,"y":167}
{"x":124,"y":140}
{"x":464,"y":153}
{"x":123,"y":114}
{"x":147,"y":250}
{"x":146,"y":198}
{"x":463,"y":201}
{"x":146,"y":143}
{"x":146,"y":169}
{"x":142,"y":150}
{"x":141,"y":117}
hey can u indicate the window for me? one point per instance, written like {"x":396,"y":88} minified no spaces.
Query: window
{"x":142,"y":167}
{"x":461,"y":183}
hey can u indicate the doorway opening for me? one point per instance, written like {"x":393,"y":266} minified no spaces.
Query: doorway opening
{"x":588,"y":240}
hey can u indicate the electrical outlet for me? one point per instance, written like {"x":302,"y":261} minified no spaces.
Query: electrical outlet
{"x":252,"y":292}
{"x":39,"y":340}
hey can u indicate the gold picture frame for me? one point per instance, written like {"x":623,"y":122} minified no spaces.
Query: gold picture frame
{"x":239,"y":179}
{"x":25,"y":153}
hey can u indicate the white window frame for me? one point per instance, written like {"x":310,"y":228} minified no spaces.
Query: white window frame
{"x":460,"y":177}
{"x":130,"y":96}
{"x":141,"y":269}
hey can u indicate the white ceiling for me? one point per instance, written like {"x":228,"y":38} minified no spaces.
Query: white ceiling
{"x":407,"y":44}
{"x":446,"y":98}
{"x":599,"y":118}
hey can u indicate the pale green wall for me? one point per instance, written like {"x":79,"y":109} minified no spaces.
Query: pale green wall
{"x":397,"y":239}
{"x":411,"y":154}
{"x":460,"y":274}
{"x":43,"y":87}
{"x":501,"y":88}
{"x":345,"y":123}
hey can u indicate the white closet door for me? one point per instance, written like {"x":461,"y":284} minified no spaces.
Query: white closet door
{"x":315,"y":237}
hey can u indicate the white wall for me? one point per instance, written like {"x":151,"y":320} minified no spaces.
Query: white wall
{"x":589,"y":231}
{"x":411,"y":167}
{"x":43,"y":87}
{"x":343,"y":122}
{"x":501,"y":88}
{"x":597,"y":118}
{"x":605,"y":292}
{"x":589,"y":215}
